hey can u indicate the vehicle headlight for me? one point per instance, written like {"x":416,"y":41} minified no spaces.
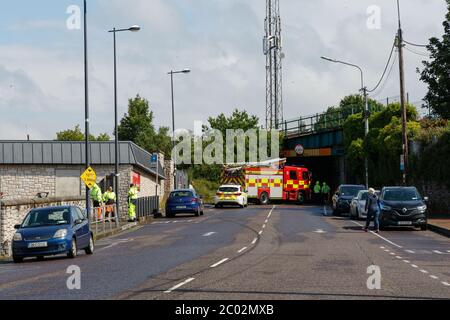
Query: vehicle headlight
{"x":422,"y":208}
{"x":17,"y":237}
{"x":60,"y":234}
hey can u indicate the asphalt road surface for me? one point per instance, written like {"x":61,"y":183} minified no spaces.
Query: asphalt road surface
{"x":272,"y":252}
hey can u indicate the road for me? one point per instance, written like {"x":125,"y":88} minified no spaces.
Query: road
{"x":272,"y":252}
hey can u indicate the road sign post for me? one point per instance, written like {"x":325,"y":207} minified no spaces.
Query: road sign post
{"x":89,"y":178}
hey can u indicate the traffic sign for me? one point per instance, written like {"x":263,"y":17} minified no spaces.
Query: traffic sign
{"x":154,"y":158}
{"x":89,"y":177}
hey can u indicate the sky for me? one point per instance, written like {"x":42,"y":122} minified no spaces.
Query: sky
{"x":41,"y":59}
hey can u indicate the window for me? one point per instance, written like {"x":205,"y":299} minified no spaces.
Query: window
{"x":229,"y":189}
{"x":79,"y":214}
{"x":305,"y":175}
{"x":293,"y":175}
{"x":181,"y":194}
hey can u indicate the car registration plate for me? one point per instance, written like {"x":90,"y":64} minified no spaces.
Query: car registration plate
{"x":404,"y":223}
{"x":37,"y":245}
{"x":181,"y":207}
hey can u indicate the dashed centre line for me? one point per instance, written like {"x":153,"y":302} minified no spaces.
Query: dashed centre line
{"x":179,"y":285}
{"x":219,"y":263}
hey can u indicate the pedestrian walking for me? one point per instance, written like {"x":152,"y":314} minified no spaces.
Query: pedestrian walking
{"x":109,"y":199}
{"x":317,"y":192}
{"x":132,"y":201}
{"x":326,"y":193}
{"x":373,"y":210}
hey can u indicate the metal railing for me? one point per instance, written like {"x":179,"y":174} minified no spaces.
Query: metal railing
{"x":330,"y":120}
{"x":147,"y":206}
{"x":103,"y":219}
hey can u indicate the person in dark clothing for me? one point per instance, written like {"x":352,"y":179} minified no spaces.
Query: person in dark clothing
{"x":373,"y":210}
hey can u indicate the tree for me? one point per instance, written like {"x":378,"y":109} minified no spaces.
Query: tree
{"x":436,"y":73}
{"x":77,"y":135}
{"x":137,"y":126}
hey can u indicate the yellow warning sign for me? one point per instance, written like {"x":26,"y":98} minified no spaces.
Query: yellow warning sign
{"x":89,"y":177}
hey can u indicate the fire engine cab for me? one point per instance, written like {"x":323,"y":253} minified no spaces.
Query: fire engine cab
{"x":272,"y":181}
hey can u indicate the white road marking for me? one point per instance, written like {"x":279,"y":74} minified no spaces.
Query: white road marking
{"x":116,"y":243}
{"x":219,"y":263}
{"x":376,"y":234}
{"x":260,"y":233}
{"x":267,"y":220}
{"x":381,"y":247}
{"x":398,"y":257}
{"x":438,"y":252}
{"x":448,"y":251}
{"x":270,"y":213}
{"x":446,"y":284}
{"x":392,"y":254}
{"x":254,"y":240}
{"x":179,"y":285}
{"x":320,"y":231}
{"x":264,"y":226}
{"x":386,"y":250}
{"x":424,"y":271}
{"x":414,"y":266}
{"x":434,"y":277}
{"x":406,"y":261}
{"x":209,"y":234}
{"x":410,"y":251}
{"x":242,"y":250}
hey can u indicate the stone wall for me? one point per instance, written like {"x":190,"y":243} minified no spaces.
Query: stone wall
{"x":12,"y":212}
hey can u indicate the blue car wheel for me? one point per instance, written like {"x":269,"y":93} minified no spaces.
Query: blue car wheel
{"x":73,"y":249}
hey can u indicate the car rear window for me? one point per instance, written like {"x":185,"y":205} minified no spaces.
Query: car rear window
{"x":228,"y":189}
{"x":181,"y":194}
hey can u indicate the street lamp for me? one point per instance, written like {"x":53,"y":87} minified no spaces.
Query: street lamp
{"x":86,"y":104}
{"x":366,"y":108}
{"x":171,"y":73}
{"x":116,"y":120}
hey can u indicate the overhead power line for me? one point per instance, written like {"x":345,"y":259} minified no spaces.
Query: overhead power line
{"x":414,"y":44}
{"x":385,"y":69}
{"x":387,"y":77}
{"x":418,"y":53}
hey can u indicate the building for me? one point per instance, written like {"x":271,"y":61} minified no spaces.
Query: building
{"x":31,"y":169}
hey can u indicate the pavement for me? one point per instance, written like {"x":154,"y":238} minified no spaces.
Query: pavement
{"x":441,"y":226}
{"x":282,"y":252}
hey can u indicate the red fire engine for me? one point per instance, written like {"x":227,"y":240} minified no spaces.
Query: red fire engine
{"x":272,"y":181}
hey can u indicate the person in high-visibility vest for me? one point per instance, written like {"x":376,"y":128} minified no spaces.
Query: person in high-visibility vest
{"x":97,"y":199}
{"x":109,"y":199}
{"x":326,"y":192}
{"x":317,"y":192}
{"x":132,"y":201}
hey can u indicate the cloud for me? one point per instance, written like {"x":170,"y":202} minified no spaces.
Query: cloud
{"x":220,"y":41}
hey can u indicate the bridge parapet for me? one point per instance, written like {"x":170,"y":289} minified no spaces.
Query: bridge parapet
{"x":327,"y":121}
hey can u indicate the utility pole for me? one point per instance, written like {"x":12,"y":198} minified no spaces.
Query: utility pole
{"x":405,"y":148}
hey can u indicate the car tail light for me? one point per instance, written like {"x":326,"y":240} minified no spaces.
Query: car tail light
{"x":238,"y":194}
{"x":194,"y":200}
{"x":219,"y":193}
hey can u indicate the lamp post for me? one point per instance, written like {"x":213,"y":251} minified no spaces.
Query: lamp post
{"x":86,"y":106}
{"x":366,"y":108}
{"x":171,"y":73}
{"x":116,"y":120}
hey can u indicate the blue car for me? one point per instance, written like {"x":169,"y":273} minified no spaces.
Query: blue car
{"x":184,"y":201}
{"x":52,"y":231}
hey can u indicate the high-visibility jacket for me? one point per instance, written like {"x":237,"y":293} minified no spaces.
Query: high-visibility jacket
{"x":317,"y":188}
{"x":107,"y":196}
{"x":325,"y":188}
{"x":96,"y":193}
{"x":133,"y":193}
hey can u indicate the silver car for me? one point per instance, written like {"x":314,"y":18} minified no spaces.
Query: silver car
{"x":358,"y":205}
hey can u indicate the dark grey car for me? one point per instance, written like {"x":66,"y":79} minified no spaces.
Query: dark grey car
{"x":403,"y":206}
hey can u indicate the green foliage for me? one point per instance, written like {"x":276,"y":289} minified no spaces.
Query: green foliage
{"x":382,"y":146}
{"x":206,"y":188}
{"x":436,"y":72}
{"x":77,"y":135}
{"x":137,"y":126}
